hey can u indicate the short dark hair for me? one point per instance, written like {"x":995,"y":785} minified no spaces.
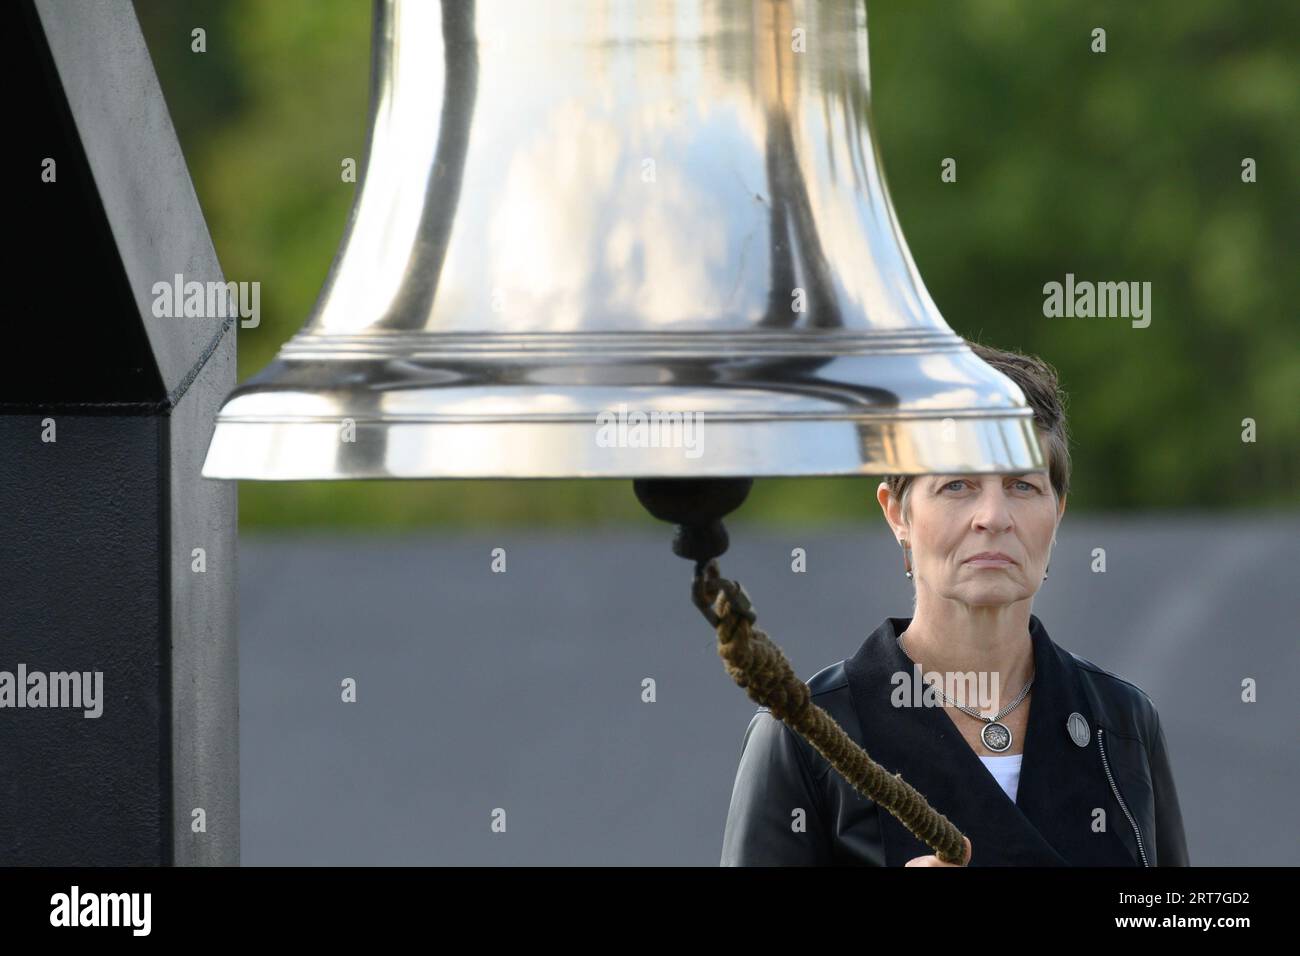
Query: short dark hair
{"x":1039,"y":381}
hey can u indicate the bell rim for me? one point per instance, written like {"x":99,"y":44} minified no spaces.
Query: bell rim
{"x":289,"y":450}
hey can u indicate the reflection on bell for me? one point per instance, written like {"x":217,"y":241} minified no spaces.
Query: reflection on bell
{"x":581,"y":218}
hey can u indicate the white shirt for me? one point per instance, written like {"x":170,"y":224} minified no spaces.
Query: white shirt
{"x":1006,"y":771}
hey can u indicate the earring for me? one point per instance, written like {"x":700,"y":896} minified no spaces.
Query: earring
{"x":907,"y":562}
{"x":1048,"y":568}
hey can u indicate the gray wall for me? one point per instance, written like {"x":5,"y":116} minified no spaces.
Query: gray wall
{"x":522,"y":690}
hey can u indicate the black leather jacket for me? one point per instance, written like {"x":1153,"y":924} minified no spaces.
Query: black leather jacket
{"x":1102,"y":796}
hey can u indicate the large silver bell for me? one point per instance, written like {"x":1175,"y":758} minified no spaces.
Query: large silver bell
{"x":606,"y":238}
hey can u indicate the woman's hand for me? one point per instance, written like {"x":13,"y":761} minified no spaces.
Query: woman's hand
{"x":933,"y":860}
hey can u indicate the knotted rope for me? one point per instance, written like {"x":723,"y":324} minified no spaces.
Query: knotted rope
{"x":759,"y":666}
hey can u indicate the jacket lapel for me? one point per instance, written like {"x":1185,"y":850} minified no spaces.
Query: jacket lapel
{"x":1049,"y":824}
{"x":1062,"y":785}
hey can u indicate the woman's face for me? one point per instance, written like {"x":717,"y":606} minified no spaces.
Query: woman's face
{"x":954,"y":517}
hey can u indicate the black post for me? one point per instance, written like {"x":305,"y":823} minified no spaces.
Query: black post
{"x":118,"y":658}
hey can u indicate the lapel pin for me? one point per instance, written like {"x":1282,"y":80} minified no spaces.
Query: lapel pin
{"x":1078,"y":728}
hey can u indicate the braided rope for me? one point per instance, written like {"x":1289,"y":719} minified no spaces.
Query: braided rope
{"x":760,"y":667}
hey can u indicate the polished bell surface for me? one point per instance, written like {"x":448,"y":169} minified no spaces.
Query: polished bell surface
{"x":621,"y":238}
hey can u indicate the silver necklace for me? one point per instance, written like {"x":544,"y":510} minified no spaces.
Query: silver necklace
{"x":997,"y":736}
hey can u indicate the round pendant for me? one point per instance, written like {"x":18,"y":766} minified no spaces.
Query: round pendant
{"x":996,"y":736}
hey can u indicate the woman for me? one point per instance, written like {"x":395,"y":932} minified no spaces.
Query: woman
{"x":1059,"y":762}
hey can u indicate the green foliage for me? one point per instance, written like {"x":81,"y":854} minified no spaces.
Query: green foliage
{"x":1115,"y":166}
{"x":1123,"y":165}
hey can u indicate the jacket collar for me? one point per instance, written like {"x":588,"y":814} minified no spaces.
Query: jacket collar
{"x":1051,"y":822}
